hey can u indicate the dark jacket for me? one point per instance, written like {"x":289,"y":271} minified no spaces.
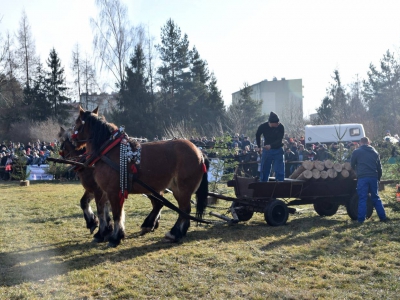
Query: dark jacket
{"x":272,"y":135}
{"x":365,"y":160}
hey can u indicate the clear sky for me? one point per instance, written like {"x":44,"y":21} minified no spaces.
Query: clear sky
{"x":242,"y":40}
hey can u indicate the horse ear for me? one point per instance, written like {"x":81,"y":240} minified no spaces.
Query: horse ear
{"x":96,"y":110}
{"x":62,"y":130}
{"x":81,"y":111}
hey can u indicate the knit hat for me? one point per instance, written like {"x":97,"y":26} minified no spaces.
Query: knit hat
{"x":273,"y":117}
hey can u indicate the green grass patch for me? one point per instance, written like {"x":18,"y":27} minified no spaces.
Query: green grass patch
{"x":47,"y":253}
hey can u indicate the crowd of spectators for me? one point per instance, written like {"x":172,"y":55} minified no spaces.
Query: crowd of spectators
{"x":245,"y":151}
{"x":33,"y":153}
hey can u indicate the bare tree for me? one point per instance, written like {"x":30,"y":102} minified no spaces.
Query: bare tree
{"x":151,"y":57}
{"x":76,"y":68}
{"x":88,"y":78}
{"x":114,"y":38}
{"x":292,"y":118}
{"x":26,"y":52}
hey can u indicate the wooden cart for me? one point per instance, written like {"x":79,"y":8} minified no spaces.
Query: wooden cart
{"x":265,"y":197}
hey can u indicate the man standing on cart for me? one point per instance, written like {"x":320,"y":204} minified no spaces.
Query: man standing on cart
{"x":272,"y":151}
{"x":365,"y":160}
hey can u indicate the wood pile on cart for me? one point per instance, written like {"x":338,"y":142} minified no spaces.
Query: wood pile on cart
{"x":323,"y":170}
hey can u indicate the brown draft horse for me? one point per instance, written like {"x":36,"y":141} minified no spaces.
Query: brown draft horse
{"x":92,"y":190}
{"x":175,"y":164}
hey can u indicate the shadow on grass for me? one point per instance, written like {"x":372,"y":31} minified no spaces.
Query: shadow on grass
{"x":33,"y":265}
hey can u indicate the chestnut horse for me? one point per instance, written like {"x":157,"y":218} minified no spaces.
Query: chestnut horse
{"x":175,"y":164}
{"x":92,"y":190}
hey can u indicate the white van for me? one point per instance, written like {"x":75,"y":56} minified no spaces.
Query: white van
{"x":333,"y":133}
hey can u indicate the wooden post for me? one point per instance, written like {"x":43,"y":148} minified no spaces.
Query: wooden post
{"x":338,"y":167}
{"x":297,"y":172}
{"x":328,"y":164}
{"x":307,"y":174}
{"x":308,"y":164}
{"x":319,"y":165}
{"x":324,"y":175}
{"x":316,"y":174}
{"x":347,"y":166}
{"x":343,"y":175}
{"x":332,"y":174}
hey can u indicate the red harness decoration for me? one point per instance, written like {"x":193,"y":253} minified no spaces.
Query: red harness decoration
{"x":108,"y":148}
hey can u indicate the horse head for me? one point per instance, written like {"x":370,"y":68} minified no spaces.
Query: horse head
{"x":67,"y":148}
{"x":82,"y":128}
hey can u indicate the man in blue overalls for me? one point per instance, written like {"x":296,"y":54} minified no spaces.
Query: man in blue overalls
{"x":365,"y":160}
{"x":272,"y":151}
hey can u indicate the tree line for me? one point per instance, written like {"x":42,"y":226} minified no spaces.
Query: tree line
{"x":374,"y":101}
{"x":160,"y":88}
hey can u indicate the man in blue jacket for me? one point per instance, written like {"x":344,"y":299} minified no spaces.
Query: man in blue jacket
{"x":272,"y":150}
{"x":365,"y":160}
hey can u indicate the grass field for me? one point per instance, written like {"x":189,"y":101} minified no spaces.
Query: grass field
{"x":47,"y":253}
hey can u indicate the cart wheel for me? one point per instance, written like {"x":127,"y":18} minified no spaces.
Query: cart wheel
{"x":325,"y":207}
{"x":242,"y":213}
{"x":276,"y":213}
{"x":352,"y":207}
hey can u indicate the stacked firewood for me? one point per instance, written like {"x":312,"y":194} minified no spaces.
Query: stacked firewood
{"x":323,"y":170}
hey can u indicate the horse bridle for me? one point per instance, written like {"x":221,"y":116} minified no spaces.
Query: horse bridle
{"x":77,"y":131}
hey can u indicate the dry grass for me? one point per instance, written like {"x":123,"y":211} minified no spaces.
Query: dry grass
{"x":46,"y":253}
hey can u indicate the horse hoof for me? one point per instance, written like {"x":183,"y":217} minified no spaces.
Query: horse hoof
{"x":169,"y":238}
{"x":112,"y":245}
{"x":92,"y":229}
{"x":145,"y":230}
{"x":97,"y":240}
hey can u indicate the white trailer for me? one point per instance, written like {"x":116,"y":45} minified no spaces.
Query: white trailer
{"x":333,"y":133}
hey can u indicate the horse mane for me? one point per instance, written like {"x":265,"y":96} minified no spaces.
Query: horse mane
{"x":100,"y":129}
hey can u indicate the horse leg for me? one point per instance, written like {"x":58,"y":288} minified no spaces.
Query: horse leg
{"x":105,"y":227}
{"x":153,"y":219}
{"x":91,"y":220}
{"x":119,"y":220}
{"x":182,"y":225}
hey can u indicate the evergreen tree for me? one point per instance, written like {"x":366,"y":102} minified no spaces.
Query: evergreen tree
{"x":334,"y":107}
{"x":35,"y":95}
{"x":245,"y":114}
{"x":174,"y":55}
{"x":56,"y":89}
{"x":382,"y":92}
{"x":136,"y":99}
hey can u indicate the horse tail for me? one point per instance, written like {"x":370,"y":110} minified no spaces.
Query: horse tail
{"x":202,"y":192}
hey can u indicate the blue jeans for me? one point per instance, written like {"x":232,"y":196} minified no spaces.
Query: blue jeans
{"x":274,"y":156}
{"x":365,"y":186}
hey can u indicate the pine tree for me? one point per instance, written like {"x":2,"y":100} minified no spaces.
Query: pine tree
{"x":56,"y":89}
{"x":136,"y":99}
{"x":245,"y":115}
{"x":174,"y":55}
{"x":382,"y":92}
{"x":335,"y":106}
{"x":38,"y":106}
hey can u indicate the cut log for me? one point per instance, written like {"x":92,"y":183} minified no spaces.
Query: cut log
{"x":332,"y":174}
{"x":338,"y":167}
{"x":352,"y":174}
{"x":308,"y":164}
{"x":324,"y":175}
{"x":297,"y":172}
{"x":328,"y":164}
{"x":347,"y":166}
{"x":316,"y":174}
{"x":319,"y":165}
{"x":344,"y":174}
{"x":307,"y":174}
